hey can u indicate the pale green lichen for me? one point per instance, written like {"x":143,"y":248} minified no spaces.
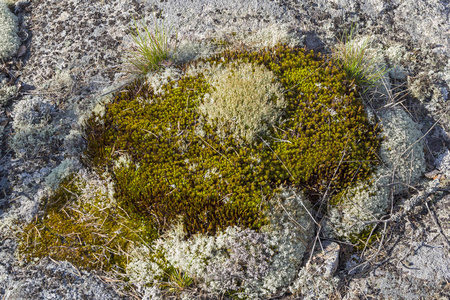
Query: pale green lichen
{"x":367,"y":201}
{"x":32,"y":126}
{"x":291,"y":229}
{"x":222,"y":262}
{"x":7,"y":91}
{"x":61,"y":80}
{"x":63,"y":170}
{"x":158,"y":79}
{"x":312,"y":286}
{"x":9,"y":41}
{"x":403,"y":165}
{"x":402,"y":149}
{"x":246,"y":100}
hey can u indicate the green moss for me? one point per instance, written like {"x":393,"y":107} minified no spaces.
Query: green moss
{"x":365,"y":238}
{"x":220,"y":42}
{"x":182,"y":167}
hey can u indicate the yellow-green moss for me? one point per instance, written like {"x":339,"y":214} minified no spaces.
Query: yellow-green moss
{"x":181,"y":167}
{"x":365,"y":238}
{"x":88,"y":234}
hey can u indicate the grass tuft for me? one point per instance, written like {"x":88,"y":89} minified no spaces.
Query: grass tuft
{"x":359,"y":63}
{"x":177,"y":281}
{"x":151,"y":49}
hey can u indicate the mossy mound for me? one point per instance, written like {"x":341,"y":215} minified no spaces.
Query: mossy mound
{"x":172,"y":158}
{"x":180,"y":166}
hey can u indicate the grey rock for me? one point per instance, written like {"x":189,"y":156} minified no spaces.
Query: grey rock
{"x":443,"y":163}
{"x":51,"y":280}
{"x":418,"y":264}
{"x":428,"y":262}
{"x":325,"y":259}
{"x":426,"y":21}
{"x":388,"y":285}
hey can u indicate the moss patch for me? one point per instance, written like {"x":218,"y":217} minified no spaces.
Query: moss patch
{"x":178,"y":166}
{"x":365,"y":238}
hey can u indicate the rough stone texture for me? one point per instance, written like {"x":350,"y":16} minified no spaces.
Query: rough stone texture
{"x":74,"y":48}
{"x":389,"y":285}
{"x":325,"y":259}
{"x":427,"y":256}
{"x":416,"y":258}
{"x":48,"y":280}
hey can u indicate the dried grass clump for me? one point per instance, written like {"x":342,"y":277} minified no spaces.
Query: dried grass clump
{"x":82,"y":223}
{"x":246,"y":100}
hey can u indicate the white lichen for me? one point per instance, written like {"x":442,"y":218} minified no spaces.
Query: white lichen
{"x":9,"y":41}
{"x":160,"y":78}
{"x":30,"y":141}
{"x":255,"y":264}
{"x":402,"y":165}
{"x":246,"y":100}
{"x":94,"y":105}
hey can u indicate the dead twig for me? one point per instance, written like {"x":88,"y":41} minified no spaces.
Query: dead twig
{"x":435,"y":220}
